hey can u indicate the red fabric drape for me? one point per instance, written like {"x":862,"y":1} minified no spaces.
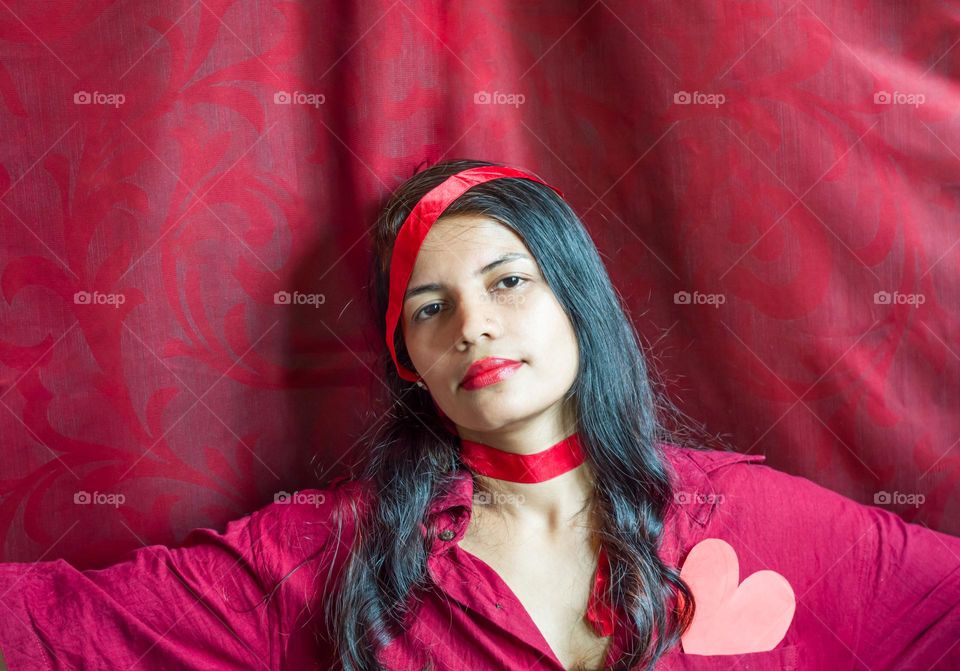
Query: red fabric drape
{"x":773,"y":186}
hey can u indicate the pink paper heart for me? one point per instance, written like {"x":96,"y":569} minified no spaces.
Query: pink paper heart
{"x":733,"y":617}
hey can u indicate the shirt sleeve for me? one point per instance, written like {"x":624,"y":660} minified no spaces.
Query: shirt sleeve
{"x":218,"y":601}
{"x":912,"y":575}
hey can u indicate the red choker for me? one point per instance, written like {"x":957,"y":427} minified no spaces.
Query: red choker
{"x":545,"y":465}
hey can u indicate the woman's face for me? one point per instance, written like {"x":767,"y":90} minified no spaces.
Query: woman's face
{"x":482,"y":306}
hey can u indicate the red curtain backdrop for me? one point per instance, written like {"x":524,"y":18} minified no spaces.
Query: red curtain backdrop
{"x":773,"y":186}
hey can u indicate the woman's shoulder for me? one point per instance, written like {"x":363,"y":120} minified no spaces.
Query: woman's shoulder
{"x":743,"y":478}
{"x":306,"y":524}
{"x":741,"y":489}
{"x":736,"y":493}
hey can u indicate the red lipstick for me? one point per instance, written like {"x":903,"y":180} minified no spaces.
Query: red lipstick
{"x":489,"y":371}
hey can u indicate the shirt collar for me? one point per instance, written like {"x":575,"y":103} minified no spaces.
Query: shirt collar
{"x":689,"y":471}
{"x":449,"y":513}
{"x":459,"y":494}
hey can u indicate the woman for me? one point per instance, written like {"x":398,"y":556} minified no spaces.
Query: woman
{"x":521,"y":507}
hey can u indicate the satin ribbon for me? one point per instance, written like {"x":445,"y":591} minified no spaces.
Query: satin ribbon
{"x":502,"y":465}
{"x":599,"y":613}
{"x":539,"y":467}
{"x":415,"y":228}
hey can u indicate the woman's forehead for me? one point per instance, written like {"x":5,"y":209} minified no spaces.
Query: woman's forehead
{"x":467,"y":231}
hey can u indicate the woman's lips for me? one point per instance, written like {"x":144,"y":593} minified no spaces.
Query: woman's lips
{"x":491,"y":375}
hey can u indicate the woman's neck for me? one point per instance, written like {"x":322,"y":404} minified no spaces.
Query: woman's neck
{"x":543,"y":494}
{"x":551,"y":507}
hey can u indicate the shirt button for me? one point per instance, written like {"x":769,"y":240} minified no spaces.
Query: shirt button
{"x":447,"y":535}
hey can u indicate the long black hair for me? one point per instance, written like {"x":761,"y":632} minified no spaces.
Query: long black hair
{"x":412,"y":458}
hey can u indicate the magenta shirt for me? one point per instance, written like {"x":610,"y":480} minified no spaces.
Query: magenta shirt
{"x":873,"y":592}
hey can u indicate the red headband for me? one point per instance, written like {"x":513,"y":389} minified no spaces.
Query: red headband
{"x":415,"y":228}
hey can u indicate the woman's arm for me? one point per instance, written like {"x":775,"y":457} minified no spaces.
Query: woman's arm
{"x":208,"y":604}
{"x":912,"y":576}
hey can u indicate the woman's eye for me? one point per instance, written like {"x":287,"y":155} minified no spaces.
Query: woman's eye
{"x":422,"y":311}
{"x":422,"y":314}
{"x":513,"y":277}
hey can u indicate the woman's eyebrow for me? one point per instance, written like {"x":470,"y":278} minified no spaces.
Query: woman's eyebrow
{"x":434,"y":286}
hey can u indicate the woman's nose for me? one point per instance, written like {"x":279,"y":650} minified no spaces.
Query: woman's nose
{"x":477,"y":317}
